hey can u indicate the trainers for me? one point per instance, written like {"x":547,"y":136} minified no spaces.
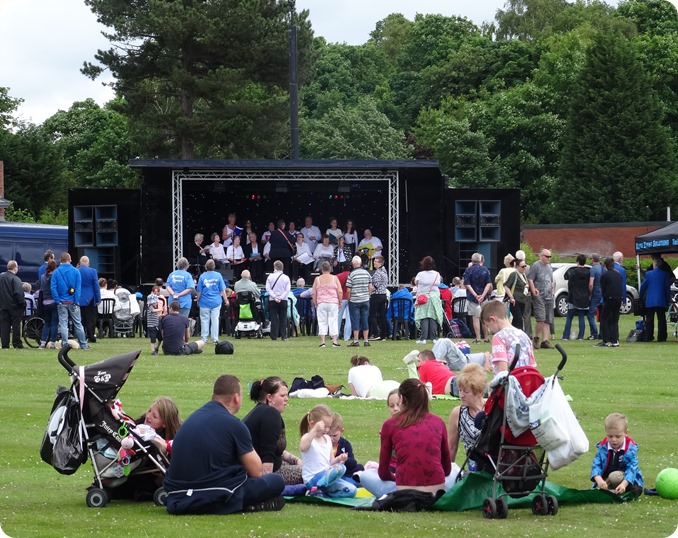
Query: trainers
{"x":600,"y":344}
{"x":272,"y":505}
{"x":373,"y":338}
{"x":85,"y":347}
{"x":593,"y":337}
{"x":322,"y":345}
{"x":355,"y":343}
{"x":334,"y":344}
{"x":41,"y":346}
{"x":615,"y":344}
{"x":154,"y":353}
{"x":366,"y":343}
{"x":420,"y":341}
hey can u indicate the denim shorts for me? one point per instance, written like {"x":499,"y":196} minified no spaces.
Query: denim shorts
{"x":360,"y":313}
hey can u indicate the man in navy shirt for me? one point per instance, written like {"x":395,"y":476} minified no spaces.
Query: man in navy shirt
{"x":214,"y":468}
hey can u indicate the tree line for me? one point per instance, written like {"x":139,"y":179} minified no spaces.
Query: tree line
{"x":576,"y":104}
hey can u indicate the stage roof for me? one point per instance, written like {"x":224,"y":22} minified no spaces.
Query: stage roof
{"x":264,"y":164}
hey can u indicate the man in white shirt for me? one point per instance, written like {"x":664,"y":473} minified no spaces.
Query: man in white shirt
{"x":311,"y":234}
{"x":372,"y":243}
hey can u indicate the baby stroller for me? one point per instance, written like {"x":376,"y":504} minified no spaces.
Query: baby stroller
{"x":250,"y":320}
{"x":123,"y":319}
{"x":86,"y":413}
{"x":517,"y":462}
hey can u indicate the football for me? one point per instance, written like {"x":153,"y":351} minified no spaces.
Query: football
{"x":667,"y":483}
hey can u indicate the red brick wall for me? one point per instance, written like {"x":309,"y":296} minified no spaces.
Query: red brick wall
{"x":604,"y":239}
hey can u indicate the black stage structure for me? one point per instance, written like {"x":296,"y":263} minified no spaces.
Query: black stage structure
{"x":404,"y":203}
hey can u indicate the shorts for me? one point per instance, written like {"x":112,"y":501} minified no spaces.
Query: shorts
{"x":360,"y":313}
{"x":152,"y":333}
{"x":474,"y":309}
{"x":189,"y":349}
{"x":542,"y":309}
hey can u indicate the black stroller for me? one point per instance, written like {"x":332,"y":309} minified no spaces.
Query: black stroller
{"x":119,"y":450}
{"x":517,"y":462}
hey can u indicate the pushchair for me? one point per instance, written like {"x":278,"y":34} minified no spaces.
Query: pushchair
{"x":518,"y":464}
{"x":124,"y":318}
{"x":119,"y":450}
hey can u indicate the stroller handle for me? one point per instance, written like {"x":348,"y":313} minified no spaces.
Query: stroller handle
{"x":515,"y":359}
{"x":65,"y":360}
{"x":563,"y":361}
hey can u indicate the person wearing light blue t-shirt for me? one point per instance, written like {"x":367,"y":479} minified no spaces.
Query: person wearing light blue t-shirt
{"x":180,"y":286}
{"x":211,"y":294}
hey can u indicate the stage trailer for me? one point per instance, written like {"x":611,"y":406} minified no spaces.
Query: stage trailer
{"x":136,"y":235}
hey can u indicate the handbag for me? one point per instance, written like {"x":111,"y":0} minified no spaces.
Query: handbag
{"x":423,"y":298}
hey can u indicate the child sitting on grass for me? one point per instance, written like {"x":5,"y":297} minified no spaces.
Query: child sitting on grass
{"x":615,"y":465}
{"x":340,"y":445}
{"x":321,"y":472}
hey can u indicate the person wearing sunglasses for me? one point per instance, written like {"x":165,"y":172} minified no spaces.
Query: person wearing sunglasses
{"x":540,"y":279}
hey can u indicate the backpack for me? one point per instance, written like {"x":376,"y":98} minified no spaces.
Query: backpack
{"x":463,"y":328}
{"x":455,"y":331}
{"x":316,"y":382}
{"x":223,"y":348}
{"x":404,"y":500}
{"x":62,"y":445}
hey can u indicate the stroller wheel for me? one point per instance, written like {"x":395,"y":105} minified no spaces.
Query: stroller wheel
{"x":160,"y":497}
{"x":540,"y":505}
{"x":237,"y":335}
{"x":502,"y":508}
{"x":96,"y":498}
{"x":489,"y":508}
{"x":552,"y":503}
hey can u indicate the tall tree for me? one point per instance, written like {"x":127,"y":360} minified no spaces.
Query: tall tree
{"x":8,"y":106}
{"x":202,"y":76}
{"x":617,"y":162}
{"x":95,"y":143}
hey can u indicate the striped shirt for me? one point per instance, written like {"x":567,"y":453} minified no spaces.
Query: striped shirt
{"x":358,"y":282}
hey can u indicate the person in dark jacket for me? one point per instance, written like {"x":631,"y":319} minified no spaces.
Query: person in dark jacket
{"x":90,"y":297}
{"x":656,"y":288}
{"x":12,"y":305}
{"x":578,"y":297}
{"x":611,"y":287}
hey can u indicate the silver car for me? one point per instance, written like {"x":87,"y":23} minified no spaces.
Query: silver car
{"x":560,"y":271}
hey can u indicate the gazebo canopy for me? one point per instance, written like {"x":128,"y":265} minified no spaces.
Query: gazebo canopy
{"x":661,"y":241}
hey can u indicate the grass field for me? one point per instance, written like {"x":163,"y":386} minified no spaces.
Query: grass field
{"x":639,"y":380}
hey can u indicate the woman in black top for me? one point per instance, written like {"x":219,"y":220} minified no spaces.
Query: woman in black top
{"x":267,"y":429}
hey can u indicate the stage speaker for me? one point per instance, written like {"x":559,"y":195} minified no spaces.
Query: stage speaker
{"x":226,"y":273}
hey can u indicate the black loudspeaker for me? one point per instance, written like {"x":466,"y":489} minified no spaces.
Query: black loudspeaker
{"x":226,"y":273}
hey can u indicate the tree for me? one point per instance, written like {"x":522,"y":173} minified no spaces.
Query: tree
{"x":390,"y":34}
{"x":617,"y":161}
{"x":357,"y":132}
{"x":8,"y":106}
{"x":33,"y":170}
{"x":200,"y":77}
{"x":95,"y":143}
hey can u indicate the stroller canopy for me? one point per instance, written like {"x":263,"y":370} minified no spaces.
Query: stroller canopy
{"x":107,"y":377}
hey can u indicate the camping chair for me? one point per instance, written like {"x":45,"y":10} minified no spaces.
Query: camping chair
{"x":400,"y":314}
{"x":307,"y":316}
{"x":105,"y":317}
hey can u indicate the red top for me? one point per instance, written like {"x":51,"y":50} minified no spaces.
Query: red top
{"x":438,"y":374}
{"x":421,"y":450}
{"x":343,"y":276}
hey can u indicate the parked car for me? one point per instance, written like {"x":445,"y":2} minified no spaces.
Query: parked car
{"x":560,"y":274}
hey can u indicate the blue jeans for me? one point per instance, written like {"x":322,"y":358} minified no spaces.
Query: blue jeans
{"x":51,"y":327}
{"x":572,"y":311}
{"x":72,"y":311}
{"x":347,"y":322}
{"x":331,"y":484}
{"x":360,"y":313}
{"x":376,"y":486}
{"x":209,"y":323}
{"x":595,"y":302}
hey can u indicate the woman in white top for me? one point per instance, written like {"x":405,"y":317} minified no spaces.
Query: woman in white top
{"x":365,"y":380}
{"x":351,"y":236}
{"x":236,"y":257}
{"x":428,"y":312}
{"x":302,"y":259}
{"x":333,"y":232}
{"x":502,"y":276}
{"x":217,"y":250}
{"x":323,"y":252}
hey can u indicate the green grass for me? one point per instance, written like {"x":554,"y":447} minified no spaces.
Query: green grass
{"x":640,"y":380}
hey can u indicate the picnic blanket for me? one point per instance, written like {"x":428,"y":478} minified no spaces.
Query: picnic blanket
{"x":470,"y":492}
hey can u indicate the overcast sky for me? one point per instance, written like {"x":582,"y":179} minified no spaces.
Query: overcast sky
{"x":43,"y":43}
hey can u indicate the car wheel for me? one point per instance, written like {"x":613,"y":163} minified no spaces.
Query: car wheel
{"x":627,"y":306}
{"x":561,"y":305}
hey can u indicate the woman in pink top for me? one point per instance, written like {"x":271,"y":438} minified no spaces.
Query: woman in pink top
{"x":327,"y":299}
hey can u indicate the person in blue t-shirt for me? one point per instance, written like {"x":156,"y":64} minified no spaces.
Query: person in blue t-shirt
{"x":180,"y":286}
{"x":211,"y":295}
